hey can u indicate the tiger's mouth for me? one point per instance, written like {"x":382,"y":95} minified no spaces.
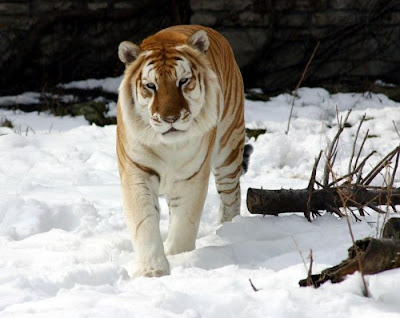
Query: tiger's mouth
{"x":172,"y":129}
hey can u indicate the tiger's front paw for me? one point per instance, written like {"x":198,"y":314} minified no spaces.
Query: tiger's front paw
{"x":156,"y":267}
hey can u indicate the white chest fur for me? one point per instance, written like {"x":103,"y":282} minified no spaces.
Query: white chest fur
{"x":173,"y":162}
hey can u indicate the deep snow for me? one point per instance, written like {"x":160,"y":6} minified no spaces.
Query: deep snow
{"x":65,"y":249}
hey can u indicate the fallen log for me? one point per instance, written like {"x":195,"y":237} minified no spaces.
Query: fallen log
{"x":273,"y":202}
{"x":351,"y":191}
{"x":374,"y":256}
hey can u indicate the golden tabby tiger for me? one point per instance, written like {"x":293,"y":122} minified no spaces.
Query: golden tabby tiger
{"x":180,"y":116}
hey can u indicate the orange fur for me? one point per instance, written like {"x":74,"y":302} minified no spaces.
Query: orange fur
{"x":207,"y":116}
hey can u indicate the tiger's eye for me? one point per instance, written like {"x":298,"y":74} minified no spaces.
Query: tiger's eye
{"x":183,"y":81}
{"x":151,"y":86}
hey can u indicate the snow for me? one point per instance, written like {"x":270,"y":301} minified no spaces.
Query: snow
{"x":28,"y":98}
{"x":383,"y":84}
{"x":66,"y":252}
{"x":21,"y":99}
{"x":40,"y":122}
{"x":109,"y":84}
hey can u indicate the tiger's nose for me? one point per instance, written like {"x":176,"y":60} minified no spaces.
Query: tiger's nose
{"x":170,"y":119}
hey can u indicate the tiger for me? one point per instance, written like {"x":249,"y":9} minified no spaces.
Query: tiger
{"x":180,"y":116}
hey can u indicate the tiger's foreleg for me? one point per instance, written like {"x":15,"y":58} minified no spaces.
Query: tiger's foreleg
{"x":142,"y":213}
{"x":186,"y":205}
{"x":228,"y":188}
{"x":227,"y":179}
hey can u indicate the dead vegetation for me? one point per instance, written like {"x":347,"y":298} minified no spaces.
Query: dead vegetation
{"x":351,"y":192}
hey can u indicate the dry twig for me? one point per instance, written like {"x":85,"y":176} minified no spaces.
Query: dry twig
{"x":311,"y":188}
{"x":331,"y":153}
{"x":353,"y":186}
{"x":355,"y":143}
{"x":345,"y":199}
{"x":252,"y":286}
{"x":309,"y":274}
{"x":395,"y":128}
{"x":299,"y":83}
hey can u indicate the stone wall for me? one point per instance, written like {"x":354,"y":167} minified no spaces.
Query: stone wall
{"x":274,"y":39}
{"x":50,"y":41}
{"x":44,"y":42}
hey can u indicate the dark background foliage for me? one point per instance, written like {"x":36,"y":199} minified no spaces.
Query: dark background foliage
{"x":43,"y":43}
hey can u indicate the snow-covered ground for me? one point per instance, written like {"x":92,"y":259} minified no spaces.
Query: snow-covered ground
{"x":65,"y":249}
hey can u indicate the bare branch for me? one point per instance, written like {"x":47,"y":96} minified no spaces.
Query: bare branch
{"x":395,"y":128}
{"x":335,"y":210}
{"x":301,"y":254}
{"x":332,"y":148}
{"x":309,"y":279}
{"x":378,"y":168}
{"x":345,"y":192}
{"x":252,"y":286}
{"x":361,"y":167}
{"x":361,"y":148}
{"x":355,"y":143}
{"x":343,"y":197}
{"x":299,"y":83}
{"x":376,"y":209}
{"x":314,"y":171}
{"x":394,"y":169}
{"x":311,"y":186}
{"x":336,"y":181}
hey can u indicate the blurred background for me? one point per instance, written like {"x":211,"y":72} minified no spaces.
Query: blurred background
{"x":46,"y":42}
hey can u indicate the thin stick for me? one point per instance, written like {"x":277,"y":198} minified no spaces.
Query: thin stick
{"x":354,"y":215}
{"x":332,"y":148}
{"x":334,"y":154}
{"x":335,"y":210}
{"x":389,"y":191}
{"x":395,"y":128}
{"x":361,"y":167}
{"x":314,"y":171}
{"x":344,"y":201}
{"x":376,"y":209}
{"x":353,"y":201}
{"x":252,"y":286}
{"x":319,"y":184}
{"x":355,"y":143}
{"x":309,"y":279}
{"x":351,"y":173}
{"x":299,"y":83}
{"x":311,"y":186}
{"x":361,"y":147}
{"x":394,"y":169}
{"x":375,"y":171}
{"x":301,"y":254}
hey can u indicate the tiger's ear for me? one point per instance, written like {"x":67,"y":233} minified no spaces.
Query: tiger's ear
{"x":128,"y":52}
{"x":199,"y":41}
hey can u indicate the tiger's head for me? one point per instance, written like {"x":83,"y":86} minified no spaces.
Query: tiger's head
{"x":169,"y":92}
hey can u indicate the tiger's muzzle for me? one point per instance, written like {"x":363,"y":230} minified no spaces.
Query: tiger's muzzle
{"x":171,"y":125}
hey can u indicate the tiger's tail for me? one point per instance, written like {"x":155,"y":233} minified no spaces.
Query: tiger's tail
{"x":247,"y":151}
